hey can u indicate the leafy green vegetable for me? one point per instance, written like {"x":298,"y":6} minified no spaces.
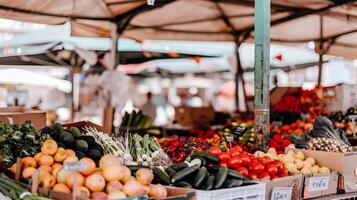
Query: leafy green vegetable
{"x":19,"y":140}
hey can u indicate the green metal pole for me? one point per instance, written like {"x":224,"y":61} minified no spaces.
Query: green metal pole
{"x":261,"y":73}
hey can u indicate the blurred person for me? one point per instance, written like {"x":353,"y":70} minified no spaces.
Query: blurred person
{"x":149,"y":108}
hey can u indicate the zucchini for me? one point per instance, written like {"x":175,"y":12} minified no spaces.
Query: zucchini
{"x":170,"y":171}
{"x":163,"y":176}
{"x":180,"y":166}
{"x":233,"y":183}
{"x":234,"y":174}
{"x":206,"y":156}
{"x":202,"y":173}
{"x":213,"y":169}
{"x":210,"y":182}
{"x":183,"y":173}
{"x":220,"y":177}
{"x":183,"y":184}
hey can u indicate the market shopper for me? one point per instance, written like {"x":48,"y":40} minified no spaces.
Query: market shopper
{"x":149,"y":108}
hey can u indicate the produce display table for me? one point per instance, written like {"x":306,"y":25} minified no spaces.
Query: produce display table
{"x":348,"y":196}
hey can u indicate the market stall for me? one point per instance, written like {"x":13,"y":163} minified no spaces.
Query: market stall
{"x":295,"y":150}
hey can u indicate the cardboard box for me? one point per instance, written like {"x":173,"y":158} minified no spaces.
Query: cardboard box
{"x":318,"y":185}
{"x":175,"y":193}
{"x":82,"y":124}
{"x":18,"y":115}
{"x":294,"y":182}
{"x":343,"y":163}
{"x":191,"y":117}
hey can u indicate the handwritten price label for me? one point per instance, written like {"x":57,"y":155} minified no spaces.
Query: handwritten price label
{"x":75,"y":166}
{"x":281,"y":193}
{"x":229,"y":138}
{"x":318,"y":183}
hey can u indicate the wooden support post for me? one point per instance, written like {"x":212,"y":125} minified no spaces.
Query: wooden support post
{"x":321,"y":53}
{"x":261,"y":73}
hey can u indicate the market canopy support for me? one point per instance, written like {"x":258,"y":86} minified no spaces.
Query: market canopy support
{"x":261,"y":73}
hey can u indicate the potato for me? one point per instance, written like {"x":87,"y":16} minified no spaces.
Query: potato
{"x":291,"y":167}
{"x":288,"y":159}
{"x":299,"y":155}
{"x":307,"y":164}
{"x":324,"y":170}
{"x":299,"y":164}
{"x":310,"y":160}
{"x":315,"y":169}
{"x":272,"y":151}
{"x":306,"y":170}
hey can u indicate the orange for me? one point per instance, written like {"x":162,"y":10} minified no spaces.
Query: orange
{"x":90,"y":166}
{"x":49,"y":147}
{"x":46,"y":160}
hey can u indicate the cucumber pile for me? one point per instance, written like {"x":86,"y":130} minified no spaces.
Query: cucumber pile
{"x":200,"y":174}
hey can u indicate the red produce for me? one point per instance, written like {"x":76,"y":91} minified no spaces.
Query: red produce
{"x":214,"y":150}
{"x":257,"y":167}
{"x":234,"y":162}
{"x":263,"y":175}
{"x":224,"y":157}
{"x":271,"y":169}
{"x":243,"y":170}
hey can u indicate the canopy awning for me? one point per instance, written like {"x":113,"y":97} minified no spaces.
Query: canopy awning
{"x":211,"y":20}
{"x":14,"y":76}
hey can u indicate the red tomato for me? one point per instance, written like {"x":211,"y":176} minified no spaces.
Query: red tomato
{"x":245,"y":159}
{"x":264,"y":175}
{"x":253,"y":176}
{"x":224,"y":157}
{"x":272,"y":177}
{"x":243,"y":171}
{"x":265,"y":160}
{"x":214,"y":150}
{"x":234,"y":162}
{"x":258,"y":168}
{"x":278,"y":165}
{"x":223,"y":164}
{"x":236,"y":149}
{"x":271,"y":169}
{"x":282,"y":173}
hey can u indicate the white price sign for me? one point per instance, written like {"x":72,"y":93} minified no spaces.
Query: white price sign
{"x":281,"y":193}
{"x":75,"y":166}
{"x":318,"y":183}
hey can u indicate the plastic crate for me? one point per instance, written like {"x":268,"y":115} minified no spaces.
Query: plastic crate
{"x":250,"y":192}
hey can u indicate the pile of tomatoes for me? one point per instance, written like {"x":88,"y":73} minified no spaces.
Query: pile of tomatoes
{"x":248,"y":165}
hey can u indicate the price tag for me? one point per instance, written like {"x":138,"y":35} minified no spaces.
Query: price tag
{"x":281,"y":193}
{"x":239,"y":131}
{"x":318,"y":183}
{"x":75,"y":166}
{"x":277,"y":123}
{"x":11,"y":120}
{"x":229,"y":138}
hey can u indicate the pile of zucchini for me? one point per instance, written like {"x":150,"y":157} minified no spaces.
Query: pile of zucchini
{"x":199,"y":174}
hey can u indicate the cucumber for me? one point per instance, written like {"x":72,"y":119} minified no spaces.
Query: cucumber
{"x":183,"y":184}
{"x":220,"y":177}
{"x":232,"y":183}
{"x":213,"y":169}
{"x":203,"y":161}
{"x":170,"y":171}
{"x":202,"y":173}
{"x":234,"y":174}
{"x":183,"y":173}
{"x":180,"y":166}
{"x":206,"y":156}
{"x":163,"y":176}
{"x":210,"y":182}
